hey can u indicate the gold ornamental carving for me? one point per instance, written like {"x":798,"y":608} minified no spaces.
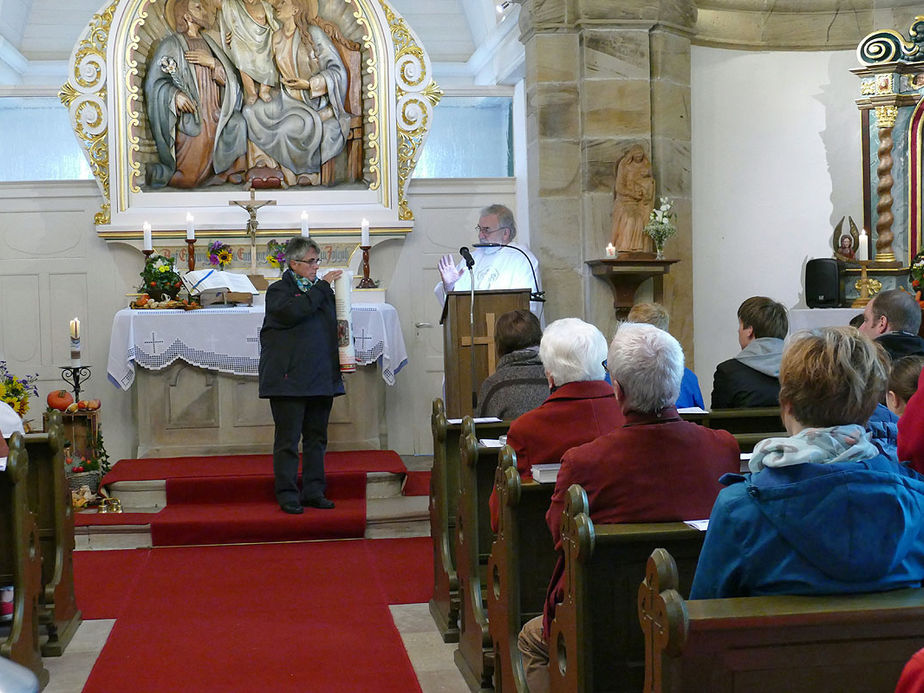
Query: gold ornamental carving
{"x":416,"y":94}
{"x":886,"y":116}
{"x":84,"y":95}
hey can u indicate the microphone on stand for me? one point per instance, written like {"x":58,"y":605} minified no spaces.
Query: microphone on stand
{"x":467,"y":256}
{"x":470,"y":262}
{"x":536,"y":296}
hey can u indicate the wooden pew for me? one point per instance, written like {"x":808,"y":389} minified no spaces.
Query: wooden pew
{"x":522,"y":559}
{"x":475,"y":654}
{"x":20,"y":561}
{"x":748,"y":426}
{"x":795,"y":644}
{"x":595,"y":643}
{"x":50,"y":501}
{"x":444,"y":494}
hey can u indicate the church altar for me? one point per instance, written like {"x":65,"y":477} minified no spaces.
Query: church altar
{"x":196,"y":392}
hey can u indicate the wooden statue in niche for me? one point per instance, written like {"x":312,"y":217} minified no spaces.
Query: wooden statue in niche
{"x":633,"y":195}
{"x":278,"y":78}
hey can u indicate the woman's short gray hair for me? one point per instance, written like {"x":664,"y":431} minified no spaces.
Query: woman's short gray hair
{"x":648,"y":365}
{"x":297,"y":248}
{"x":572,"y":350}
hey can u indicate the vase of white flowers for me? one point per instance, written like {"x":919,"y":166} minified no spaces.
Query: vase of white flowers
{"x":660,"y":225}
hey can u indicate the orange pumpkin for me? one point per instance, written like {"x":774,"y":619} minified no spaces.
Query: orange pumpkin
{"x":60,"y":399}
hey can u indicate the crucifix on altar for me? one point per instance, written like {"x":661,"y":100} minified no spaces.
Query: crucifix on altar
{"x":252,"y":205}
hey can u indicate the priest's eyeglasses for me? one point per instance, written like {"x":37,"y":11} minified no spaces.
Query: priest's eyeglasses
{"x":310,"y":261}
{"x":485,"y":231}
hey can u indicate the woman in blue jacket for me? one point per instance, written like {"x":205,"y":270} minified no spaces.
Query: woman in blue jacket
{"x":823,"y":511}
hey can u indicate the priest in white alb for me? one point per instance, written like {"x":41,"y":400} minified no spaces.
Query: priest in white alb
{"x":502,"y":266}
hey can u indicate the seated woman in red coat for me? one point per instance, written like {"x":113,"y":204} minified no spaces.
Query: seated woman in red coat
{"x":581,"y":405}
{"x":911,"y":430}
{"x":654,"y":468}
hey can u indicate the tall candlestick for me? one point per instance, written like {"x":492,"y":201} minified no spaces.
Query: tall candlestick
{"x":863,"y":247}
{"x":365,"y":233}
{"x":305,"y":232}
{"x":148,"y":241}
{"x":190,"y":229}
{"x":75,"y":342}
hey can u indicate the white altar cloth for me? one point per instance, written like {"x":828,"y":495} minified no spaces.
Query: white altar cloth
{"x":228,"y":340}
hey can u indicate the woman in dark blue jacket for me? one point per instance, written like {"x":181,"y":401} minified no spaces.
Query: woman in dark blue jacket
{"x":823,"y":511}
{"x":300,"y":373}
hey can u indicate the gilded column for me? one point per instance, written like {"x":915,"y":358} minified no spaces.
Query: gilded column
{"x":885,"y":119}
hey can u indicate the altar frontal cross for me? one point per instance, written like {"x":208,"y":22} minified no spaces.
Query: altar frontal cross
{"x":487,"y":339}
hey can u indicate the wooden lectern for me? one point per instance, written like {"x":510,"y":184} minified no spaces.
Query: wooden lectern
{"x":457,"y":342}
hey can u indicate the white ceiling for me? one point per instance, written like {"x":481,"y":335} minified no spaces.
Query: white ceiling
{"x":36,"y":31}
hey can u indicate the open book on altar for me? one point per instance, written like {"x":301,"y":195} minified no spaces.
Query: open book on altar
{"x":216,"y":286}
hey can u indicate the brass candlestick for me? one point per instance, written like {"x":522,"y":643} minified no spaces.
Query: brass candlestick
{"x":191,"y":254}
{"x":866,"y":286}
{"x":365,"y":282}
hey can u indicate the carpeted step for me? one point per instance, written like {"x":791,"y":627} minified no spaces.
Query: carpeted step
{"x":239,"y":523}
{"x":252,"y":489}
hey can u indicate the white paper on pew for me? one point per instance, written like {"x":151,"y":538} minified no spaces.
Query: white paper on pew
{"x":2,"y":464}
{"x":478,"y":420}
{"x":490,"y":443}
{"x":701,"y":525}
{"x":692,"y":410}
{"x":746,"y":456}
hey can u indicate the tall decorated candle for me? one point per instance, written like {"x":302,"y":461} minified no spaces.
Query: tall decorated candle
{"x":148,"y":241}
{"x":365,"y":233}
{"x":190,"y":229}
{"x":75,"y":343}
{"x":305,"y":232}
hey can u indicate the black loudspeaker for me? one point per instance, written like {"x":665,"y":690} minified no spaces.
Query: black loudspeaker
{"x":822,"y":283}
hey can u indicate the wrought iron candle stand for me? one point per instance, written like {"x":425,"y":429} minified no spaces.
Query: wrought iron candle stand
{"x":75,"y":376}
{"x":366,"y":282}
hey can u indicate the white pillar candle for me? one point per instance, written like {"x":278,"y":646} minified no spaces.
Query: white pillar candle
{"x":190,"y":229}
{"x":148,"y":241}
{"x":863,"y":247}
{"x":610,"y":250}
{"x":365,"y":233}
{"x":305,"y":232}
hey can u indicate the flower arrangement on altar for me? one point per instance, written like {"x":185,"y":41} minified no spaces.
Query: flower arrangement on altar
{"x":220,"y":254}
{"x":16,"y":391}
{"x":660,"y":225}
{"x":276,"y":254}
{"x":160,"y":279}
{"x":916,"y":276}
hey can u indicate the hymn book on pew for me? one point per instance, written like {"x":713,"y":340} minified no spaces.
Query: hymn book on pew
{"x":545,"y":473}
{"x":219,"y":287}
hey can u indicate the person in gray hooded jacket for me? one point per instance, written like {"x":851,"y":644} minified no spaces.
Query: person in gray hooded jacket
{"x":751,"y":379}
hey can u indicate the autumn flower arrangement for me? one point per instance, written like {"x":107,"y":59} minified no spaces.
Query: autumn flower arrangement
{"x":660,"y":225}
{"x":276,"y":254}
{"x":220,"y":254}
{"x":159,"y":278}
{"x":916,"y":276}
{"x":16,"y":391}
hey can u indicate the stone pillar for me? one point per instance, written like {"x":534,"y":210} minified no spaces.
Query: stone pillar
{"x":602,"y":76}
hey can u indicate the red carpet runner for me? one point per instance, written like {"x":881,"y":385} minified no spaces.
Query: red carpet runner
{"x":229,"y":499}
{"x":283,"y":617}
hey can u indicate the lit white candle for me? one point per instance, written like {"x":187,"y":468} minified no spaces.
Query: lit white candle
{"x":305,"y":232}
{"x":75,"y":343}
{"x":610,"y":250}
{"x":863,"y":247}
{"x":148,"y":241}
{"x":190,"y":229}
{"x":365,"y":233}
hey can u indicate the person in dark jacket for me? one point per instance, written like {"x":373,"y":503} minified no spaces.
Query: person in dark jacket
{"x":518,"y":384}
{"x":751,"y":379}
{"x":893,"y":319}
{"x":823,"y":511}
{"x":300,"y":373}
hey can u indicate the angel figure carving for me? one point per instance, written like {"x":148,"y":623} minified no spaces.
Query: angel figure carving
{"x":633,"y":195}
